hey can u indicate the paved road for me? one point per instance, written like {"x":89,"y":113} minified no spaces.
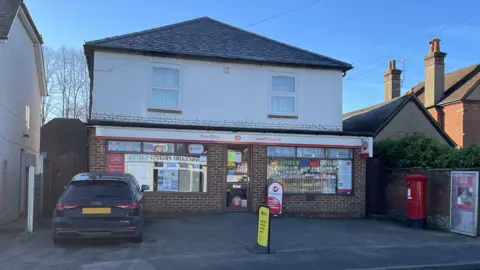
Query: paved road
{"x":221,"y":242}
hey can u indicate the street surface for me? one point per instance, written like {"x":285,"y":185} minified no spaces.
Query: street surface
{"x":221,"y":242}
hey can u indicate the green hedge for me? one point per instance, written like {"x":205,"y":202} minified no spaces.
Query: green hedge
{"x":420,"y":151}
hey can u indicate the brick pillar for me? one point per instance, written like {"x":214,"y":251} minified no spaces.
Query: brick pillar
{"x":216,"y":171}
{"x":259,"y":175}
{"x":96,"y":153}
{"x":359,"y":182}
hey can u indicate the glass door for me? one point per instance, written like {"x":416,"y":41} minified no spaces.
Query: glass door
{"x":237,"y":180}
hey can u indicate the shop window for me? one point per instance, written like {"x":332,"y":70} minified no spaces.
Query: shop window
{"x":276,"y":151}
{"x":283,"y":95}
{"x":158,"y":147}
{"x":124,"y":146}
{"x":339,"y":153}
{"x":190,"y":149}
{"x":310,"y":171}
{"x":181,"y":174}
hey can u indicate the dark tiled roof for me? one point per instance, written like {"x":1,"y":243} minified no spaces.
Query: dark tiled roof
{"x":457,"y":84}
{"x":372,"y":118}
{"x":205,"y":37}
{"x":8,"y":10}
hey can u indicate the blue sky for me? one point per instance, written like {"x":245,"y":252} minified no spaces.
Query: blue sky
{"x":366,"y":33}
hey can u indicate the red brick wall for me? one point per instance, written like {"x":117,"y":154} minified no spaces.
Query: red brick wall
{"x":438,"y":195}
{"x":453,"y":115}
{"x":259,"y":176}
{"x":330,"y":205}
{"x":97,"y":153}
{"x":471,"y":123}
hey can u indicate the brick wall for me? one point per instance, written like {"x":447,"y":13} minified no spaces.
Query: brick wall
{"x":453,"y":117}
{"x":438,"y":195}
{"x":259,"y":175}
{"x":471,"y":123}
{"x":172,"y":203}
{"x":96,"y":153}
{"x":330,"y":205}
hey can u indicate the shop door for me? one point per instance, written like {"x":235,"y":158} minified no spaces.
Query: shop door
{"x":237,"y":179}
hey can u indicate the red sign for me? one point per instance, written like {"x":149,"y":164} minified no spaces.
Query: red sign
{"x":275,"y":198}
{"x":238,"y":138}
{"x":465,"y":192}
{"x":115,"y":163}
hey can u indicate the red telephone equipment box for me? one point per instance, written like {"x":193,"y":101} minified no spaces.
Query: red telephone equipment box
{"x":417,"y":199}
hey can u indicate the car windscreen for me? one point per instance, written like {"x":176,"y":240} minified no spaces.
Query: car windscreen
{"x":98,"y":189}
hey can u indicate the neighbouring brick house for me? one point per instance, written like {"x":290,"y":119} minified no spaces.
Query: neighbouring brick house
{"x":207,"y":115}
{"x":397,"y":116}
{"x":453,"y":99}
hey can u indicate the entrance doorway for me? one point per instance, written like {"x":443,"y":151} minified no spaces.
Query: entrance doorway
{"x":237,"y":179}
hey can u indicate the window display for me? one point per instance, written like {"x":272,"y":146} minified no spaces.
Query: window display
{"x":312,"y":175}
{"x":124,"y":146}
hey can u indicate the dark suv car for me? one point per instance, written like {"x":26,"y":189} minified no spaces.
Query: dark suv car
{"x":99,"y":205}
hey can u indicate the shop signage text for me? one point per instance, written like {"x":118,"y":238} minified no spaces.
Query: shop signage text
{"x":263,"y":227}
{"x":115,"y":162}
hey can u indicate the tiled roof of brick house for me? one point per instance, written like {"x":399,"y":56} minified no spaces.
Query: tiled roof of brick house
{"x":206,"y":38}
{"x":458,"y":84}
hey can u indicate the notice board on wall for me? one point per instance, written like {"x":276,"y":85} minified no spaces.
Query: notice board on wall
{"x":464,"y":202}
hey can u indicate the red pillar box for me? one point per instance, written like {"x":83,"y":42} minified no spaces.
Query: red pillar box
{"x":417,"y":200}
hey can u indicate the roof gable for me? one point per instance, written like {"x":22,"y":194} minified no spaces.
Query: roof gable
{"x":458,"y":84}
{"x":8,"y":11}
{"x":374,"y":118}
{"x":205,"y":37}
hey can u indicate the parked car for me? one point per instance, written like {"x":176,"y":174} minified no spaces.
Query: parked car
{"x":98,"y":205}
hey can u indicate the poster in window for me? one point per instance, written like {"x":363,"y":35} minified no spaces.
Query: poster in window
{"x":275,"y":151}
{"x":168,"y":179}
{"x":124,"y":146}
{"x":310,"y":152}
{"x":344,"y":176}
{"x":339,"y":153}
{"x":464,"y":200}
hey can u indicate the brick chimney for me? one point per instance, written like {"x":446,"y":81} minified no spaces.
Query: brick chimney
{"x":392,"y":81}
{"x":434,"y":74}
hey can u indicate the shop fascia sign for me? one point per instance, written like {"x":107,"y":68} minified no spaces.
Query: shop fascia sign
{"x":195,"y":136}
{"x":141,"y":158}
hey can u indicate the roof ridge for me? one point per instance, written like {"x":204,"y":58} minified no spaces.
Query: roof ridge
{"x":372,"y":107}
{"x":280,"y":43}
{"x":97,"y":41}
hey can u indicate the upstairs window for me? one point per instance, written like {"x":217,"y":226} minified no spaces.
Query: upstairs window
{"x":165,"y":88}
{"x":283,"y":95}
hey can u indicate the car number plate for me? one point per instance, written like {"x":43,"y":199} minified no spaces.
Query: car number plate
{"x":97,"y":210}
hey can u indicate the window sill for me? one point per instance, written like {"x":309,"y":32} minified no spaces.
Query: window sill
{"x":282,"y":116}
{"x":164,"y":110}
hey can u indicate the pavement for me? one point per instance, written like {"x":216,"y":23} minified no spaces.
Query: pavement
{"x":222,"y":242}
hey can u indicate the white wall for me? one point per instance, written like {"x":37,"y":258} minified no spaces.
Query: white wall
{"x":122,"y":86}
{"x":19,"y":86}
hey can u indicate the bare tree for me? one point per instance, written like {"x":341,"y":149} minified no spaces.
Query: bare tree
{"x":48,"y":102}
{"x":68,"y":84}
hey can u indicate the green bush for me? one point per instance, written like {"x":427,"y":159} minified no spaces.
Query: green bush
{"x":420,"y":151}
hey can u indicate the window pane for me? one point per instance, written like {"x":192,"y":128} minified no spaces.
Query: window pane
{"x":283,"y":104}
{"x":275,"y":151}
{"x":162,"y":98}
{"x":98,"y":189}
{"x":311,"y":152}
{"x":165,"y":76}
{"x":124,"y":146}
{"x":339,"y":153}
{"x":304,"y":175}
{"x":158,"y":147}
{"x":283,"y":84}
{"x":181,"y":174}
{"x":190,"y":149}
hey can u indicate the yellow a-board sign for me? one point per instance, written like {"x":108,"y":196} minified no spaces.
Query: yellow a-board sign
{"x":263,"y":227}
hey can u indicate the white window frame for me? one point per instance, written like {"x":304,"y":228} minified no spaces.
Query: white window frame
{"x":283,"y":94}
{"x":166,"y":87}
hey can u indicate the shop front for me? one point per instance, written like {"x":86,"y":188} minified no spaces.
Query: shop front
{"x":198,"y":172}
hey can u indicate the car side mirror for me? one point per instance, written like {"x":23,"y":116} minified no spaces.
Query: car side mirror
{"x":145,"y":187}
